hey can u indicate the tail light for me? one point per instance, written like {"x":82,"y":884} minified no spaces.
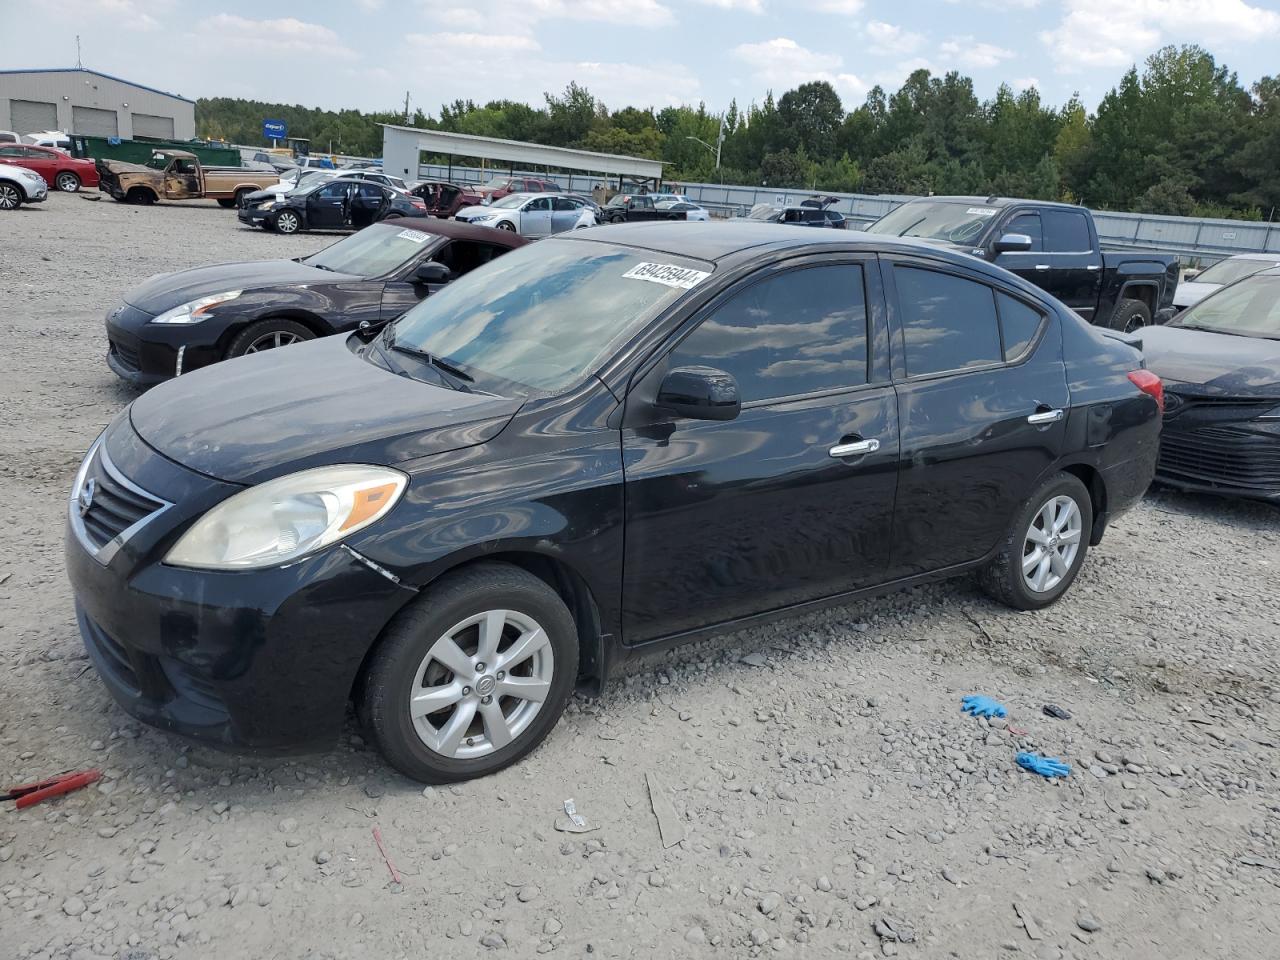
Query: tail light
{"x":417,"y":204}
{"x":1150,"y":384}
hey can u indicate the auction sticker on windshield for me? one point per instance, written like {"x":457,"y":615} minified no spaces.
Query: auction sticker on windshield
{"x":668,"y":274}
{"x":982,"y":211}
{"x":413,"y":235}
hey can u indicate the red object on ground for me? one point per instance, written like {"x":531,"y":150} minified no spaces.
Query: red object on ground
{"x":29,"y":794}
{"x":377,"y":838}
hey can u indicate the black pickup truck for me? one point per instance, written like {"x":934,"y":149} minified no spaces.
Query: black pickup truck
{"x":632,"y":207}
{"x":1053,"y":245}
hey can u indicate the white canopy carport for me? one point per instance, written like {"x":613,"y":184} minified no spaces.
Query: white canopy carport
{"x":402,"y":148}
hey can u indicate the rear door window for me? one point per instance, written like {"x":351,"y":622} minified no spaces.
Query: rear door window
{"x":1066,"y":231}
{"x":948,"y":322}
{"x":800,"y":332}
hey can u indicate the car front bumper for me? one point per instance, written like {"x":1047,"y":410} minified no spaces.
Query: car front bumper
{"x":145,"y":353}
{"x":262,"y":660}
{"x":1237,"y":458}
{"x":35,"y":192}
{"x":254,"y":216}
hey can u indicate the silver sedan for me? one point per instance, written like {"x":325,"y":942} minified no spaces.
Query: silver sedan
{"x":531,"y":215}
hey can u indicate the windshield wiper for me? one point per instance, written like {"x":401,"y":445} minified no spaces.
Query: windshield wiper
{"x":455,"y":377}
{"x":321,"y":266}
{"x":912,"y":226}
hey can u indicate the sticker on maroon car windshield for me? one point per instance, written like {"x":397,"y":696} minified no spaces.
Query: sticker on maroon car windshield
{"x":413,"y":235}
{"x":668,"y":274}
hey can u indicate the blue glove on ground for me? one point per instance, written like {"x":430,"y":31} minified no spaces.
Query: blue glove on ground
{"x":1045,"y":766}
{"x":980,"y":706}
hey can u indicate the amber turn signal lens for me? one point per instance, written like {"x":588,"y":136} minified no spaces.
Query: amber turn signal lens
{"x":367,"y":503}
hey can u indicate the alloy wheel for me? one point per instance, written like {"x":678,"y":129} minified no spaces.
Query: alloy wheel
{"x":1051,"y":544}
{"x":481,"y":684}
{"x":287,"y":222}
{"x":68,"y":182}
{"x":269,"y":341}
{"x":9,"y":198}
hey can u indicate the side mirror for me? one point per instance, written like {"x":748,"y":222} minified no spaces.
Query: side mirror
{"x":1013,"y":243}
{"x":432,"y":272}
{"x":700,"y":393}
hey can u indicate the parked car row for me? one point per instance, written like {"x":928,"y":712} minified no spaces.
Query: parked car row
{"x":19,"y":185}
{"x":56,"y":167}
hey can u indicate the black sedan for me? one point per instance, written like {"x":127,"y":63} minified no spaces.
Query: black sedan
{"x":177,"y":322}
{"x":341,"y":204}
{"x":1220,"y":361}
{"x":599,"y":445}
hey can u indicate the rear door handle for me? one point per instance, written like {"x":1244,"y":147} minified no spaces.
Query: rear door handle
{"x":1042,"y":266}
{"x":1045,"y":416}
{"x":1093,"y":266}
{"x":855,"y":449}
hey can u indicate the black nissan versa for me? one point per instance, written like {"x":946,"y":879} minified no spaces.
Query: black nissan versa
{"x":596,"y":446}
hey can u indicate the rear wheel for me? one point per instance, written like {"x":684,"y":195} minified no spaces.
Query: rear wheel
{"x":226,"y":202}
{"x":140,"y":195}
{"x":471,"y":677}
{"x":1045,"y":546}
{"x":286,"y":221}
{"x":268,"y":335}
{"x":1131,"y":315}
{"x":241,"y":195}
{"x":67,"y":181}
{"x":10,"y":196}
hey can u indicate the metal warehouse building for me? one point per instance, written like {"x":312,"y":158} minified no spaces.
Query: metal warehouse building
{"x":91,"y":103}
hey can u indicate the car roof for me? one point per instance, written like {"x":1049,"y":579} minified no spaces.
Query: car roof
{"x":1000,"y":202}
{"x":455,"y":230}
{"x":712,"y":241}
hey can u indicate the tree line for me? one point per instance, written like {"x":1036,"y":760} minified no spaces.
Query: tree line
{"x":1181,"y":135}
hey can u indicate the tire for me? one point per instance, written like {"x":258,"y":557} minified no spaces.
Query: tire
{"x":267,"y":335}
{"x":141,"y":196}
{"x":10,"y":195}
{"x":1004,"y":578}
{"x":405,"y":661}
{"x":1130,"y":315}
{"x":226,"y":203}
{"x":238,"y":200}
{"x":507,"y":225}
{"x":286,"y":221}
{"x":67,"y":182}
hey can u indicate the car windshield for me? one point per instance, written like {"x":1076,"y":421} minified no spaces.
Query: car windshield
{"x":158,"y":161}
{"x":1250,"y":308}
{"x":953,"y":222}
{"x":544,"y":316}
{"x":373,"y":252}
{"x":497,"y":183}
{"x":1229,"y":271}
{"x":510,"y":200}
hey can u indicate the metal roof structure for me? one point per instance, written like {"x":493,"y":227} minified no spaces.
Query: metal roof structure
{"x":105,"y":76}
{"x":402,"y":147}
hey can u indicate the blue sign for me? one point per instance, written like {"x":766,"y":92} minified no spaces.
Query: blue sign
{"x":274,"y":129}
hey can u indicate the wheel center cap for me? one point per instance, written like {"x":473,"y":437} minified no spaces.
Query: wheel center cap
{"x":485,"y":685}
{"x":1053,"y":540}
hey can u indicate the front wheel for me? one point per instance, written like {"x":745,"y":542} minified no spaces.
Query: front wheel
{"x":507,"y":225}
{"x":286,"y":221}
{"x":1045,"y":546}
{"x":67,"y":182}
{"x":471,"y":677}
{"x":268,"y":335}
{"x":10,"y":196}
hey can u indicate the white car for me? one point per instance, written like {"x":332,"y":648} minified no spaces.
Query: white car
{"x":531,"y":214}
{"x":50,"y":138}
{"x":18,"y":185}
{"x":678,"y":201}
{"x":1220,"y":274}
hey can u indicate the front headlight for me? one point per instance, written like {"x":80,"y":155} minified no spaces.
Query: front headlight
{"x":196,"y":310}
{"x":483,"y":217}
{"x":288,"y":517}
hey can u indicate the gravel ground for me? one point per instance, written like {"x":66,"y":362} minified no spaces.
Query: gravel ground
{"x":831,"y":797}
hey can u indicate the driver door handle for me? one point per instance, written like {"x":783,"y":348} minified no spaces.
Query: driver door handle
{"x":1042,"y":266}
{"x":1045,"y":416}
{"x":855,"y":449}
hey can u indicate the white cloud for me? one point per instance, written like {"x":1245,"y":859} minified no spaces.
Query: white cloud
{"x":476,"y":42}
{"x":481,"y":14}
{"x":890,"y":38}
{"x":1025,"y":83}
{"x":369,"y":6}
{"x":285,"y":35}
{"x":137,"y":13}
{"x":781,"y":64}
{"x":748,"y":6}
{"x":972,"y":53}
{"x":839,"y":7}
{"x":1117,"y":33}
{"x":892,"y":78}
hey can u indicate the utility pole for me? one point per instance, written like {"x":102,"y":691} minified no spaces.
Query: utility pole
{"x":79,"y":63}
{"x":406,"y":108}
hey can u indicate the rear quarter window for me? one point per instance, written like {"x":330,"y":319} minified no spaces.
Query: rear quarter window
{"x":1019,"y":325}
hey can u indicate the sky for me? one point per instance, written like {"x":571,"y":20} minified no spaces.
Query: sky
{"x":367,"y":54}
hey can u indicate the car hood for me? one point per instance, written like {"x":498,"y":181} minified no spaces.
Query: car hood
{"x":123,"y":166}
{"x":1224,"y":365}
{"x":168,"y":290}
{"x":1189,"y":292}
{"x":313,"y":404}
{"x":477,"y":209}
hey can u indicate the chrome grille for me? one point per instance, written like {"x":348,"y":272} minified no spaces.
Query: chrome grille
{"x":106,"y":507}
